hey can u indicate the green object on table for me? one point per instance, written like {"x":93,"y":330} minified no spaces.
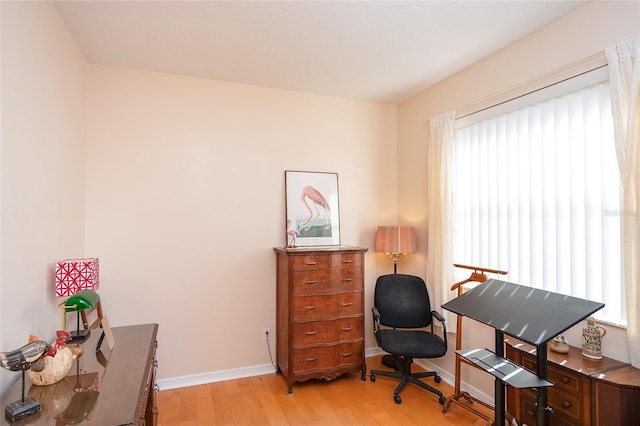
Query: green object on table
{"x":80,"y":301}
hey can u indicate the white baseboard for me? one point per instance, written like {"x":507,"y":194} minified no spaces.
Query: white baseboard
{"x":259,"y":370}
{"x":214,"y":376}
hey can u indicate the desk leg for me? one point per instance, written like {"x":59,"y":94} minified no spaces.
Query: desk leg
{"x":542,"y":409}
{"x":499,"y":391}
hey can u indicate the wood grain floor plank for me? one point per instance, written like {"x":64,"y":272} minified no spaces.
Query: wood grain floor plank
{"x":348,"y":401}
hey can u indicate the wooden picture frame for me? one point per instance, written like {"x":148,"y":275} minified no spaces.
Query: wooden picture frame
{"x":312,"y":209}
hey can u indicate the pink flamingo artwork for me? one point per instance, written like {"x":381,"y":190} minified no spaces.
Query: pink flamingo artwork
{"x":318,"y":200}
{"x":292,"y":233}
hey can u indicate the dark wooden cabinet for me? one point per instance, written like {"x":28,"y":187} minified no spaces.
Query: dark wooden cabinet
{"x":106,"y":387}
{"x":319,"y":312}
{"x":617,"y":393}
{"x":586,"y":391}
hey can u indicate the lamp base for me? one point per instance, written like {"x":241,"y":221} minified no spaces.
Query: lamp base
{"x":20,"y":409}
{"x":79,"y":335}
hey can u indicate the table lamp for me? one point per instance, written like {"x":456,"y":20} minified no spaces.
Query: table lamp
{"x":77,"y":278}
{"x":396,"y":242}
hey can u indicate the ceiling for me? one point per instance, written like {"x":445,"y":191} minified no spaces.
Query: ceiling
{"x":380,"y":51}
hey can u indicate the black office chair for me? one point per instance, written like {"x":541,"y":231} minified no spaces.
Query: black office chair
{"x":401,"y":312}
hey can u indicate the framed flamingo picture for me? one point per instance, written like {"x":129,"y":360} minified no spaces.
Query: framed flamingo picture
{"x":313,"y":215}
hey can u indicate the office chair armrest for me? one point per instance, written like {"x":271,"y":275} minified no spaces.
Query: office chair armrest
{"x":437,"y":316}
{"x":440,"y":318}
{"x":376,"y":319}
{"x":376,"y":323}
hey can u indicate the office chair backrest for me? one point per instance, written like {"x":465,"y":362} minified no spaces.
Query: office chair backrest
{"x":403,"y":301}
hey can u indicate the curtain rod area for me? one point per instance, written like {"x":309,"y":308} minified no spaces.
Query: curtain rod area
{"x":580,"y":67}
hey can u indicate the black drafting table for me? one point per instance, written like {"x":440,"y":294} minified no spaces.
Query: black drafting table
{"x":532,"y":315}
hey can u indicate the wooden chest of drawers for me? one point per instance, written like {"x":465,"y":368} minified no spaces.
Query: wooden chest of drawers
{"x":319,"y":312}
{"x":572,"y":398}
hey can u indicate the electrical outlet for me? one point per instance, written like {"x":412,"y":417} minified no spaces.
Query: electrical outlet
{"x":266,"y":334}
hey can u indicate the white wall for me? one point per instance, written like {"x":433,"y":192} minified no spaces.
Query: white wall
{"x":580,"y":34}
{"x":185,"y":202}
{"x":41,"y":169}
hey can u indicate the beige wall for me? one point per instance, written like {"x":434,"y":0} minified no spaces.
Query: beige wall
{"x":586,"y":31}
{"x":41,"y":169}
{"x":185,"y":201}
{"x":184,"y":192}
{"x":185,"y":184}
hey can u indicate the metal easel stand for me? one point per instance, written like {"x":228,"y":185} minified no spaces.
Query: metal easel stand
{"x":460,"y":397}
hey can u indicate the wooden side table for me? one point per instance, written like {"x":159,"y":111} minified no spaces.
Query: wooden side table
{"x":108,"y":387}
{"x":586,"y":391}
{"x":616,"y":396}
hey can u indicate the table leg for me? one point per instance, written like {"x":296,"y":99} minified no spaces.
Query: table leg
{"x":542,"y":410}
{"x":499,"y":390}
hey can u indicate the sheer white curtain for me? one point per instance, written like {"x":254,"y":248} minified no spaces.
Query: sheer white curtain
{"x":439,"y":225}
{"x":624,"y":76}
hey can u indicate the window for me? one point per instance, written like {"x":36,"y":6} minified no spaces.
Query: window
{"x":536,"y":191}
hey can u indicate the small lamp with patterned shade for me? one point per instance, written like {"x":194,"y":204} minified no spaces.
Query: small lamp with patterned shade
{"x":77,"y":278}
{"x":73,"y":275}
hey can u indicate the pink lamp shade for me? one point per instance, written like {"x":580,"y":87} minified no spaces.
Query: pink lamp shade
{"x":396,"y":240}
{"x":74,"y":275}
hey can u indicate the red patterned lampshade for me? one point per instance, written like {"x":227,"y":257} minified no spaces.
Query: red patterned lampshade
{"x":74,"y":275}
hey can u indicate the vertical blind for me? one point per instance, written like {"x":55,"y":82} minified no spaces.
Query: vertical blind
{"x":536,"y":191}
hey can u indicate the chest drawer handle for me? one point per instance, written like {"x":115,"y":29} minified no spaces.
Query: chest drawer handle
{"x":347,"y":328}
{"x":566,"y":404}
{"x":310,"y":333}
{"x":311,"y":263}
{"x":565,"y":379}
{"x":311,"y":359}
{"x":345,"y":304}
{"x":311,"y":281}
{"x":347,"y":261}
{"x":346,"y":280}
{"x":310,"y":307}
{"x":347,"y":354}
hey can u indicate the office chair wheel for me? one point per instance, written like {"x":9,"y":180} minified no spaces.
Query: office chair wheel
{"x":372,"y":377}
{"x":437,"y":379}
{"x":397,"y":399}
{"x":441,"y":400}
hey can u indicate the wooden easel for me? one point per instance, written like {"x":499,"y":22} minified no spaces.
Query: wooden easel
{"x":478,"y":275}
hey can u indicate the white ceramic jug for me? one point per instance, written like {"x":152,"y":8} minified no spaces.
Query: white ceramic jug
{"x":592,"y":336}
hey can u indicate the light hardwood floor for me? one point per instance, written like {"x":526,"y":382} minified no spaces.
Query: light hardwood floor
{"x":262,"y":400}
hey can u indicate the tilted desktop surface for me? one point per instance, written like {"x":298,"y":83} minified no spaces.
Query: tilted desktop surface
{"x":532,"y":315}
